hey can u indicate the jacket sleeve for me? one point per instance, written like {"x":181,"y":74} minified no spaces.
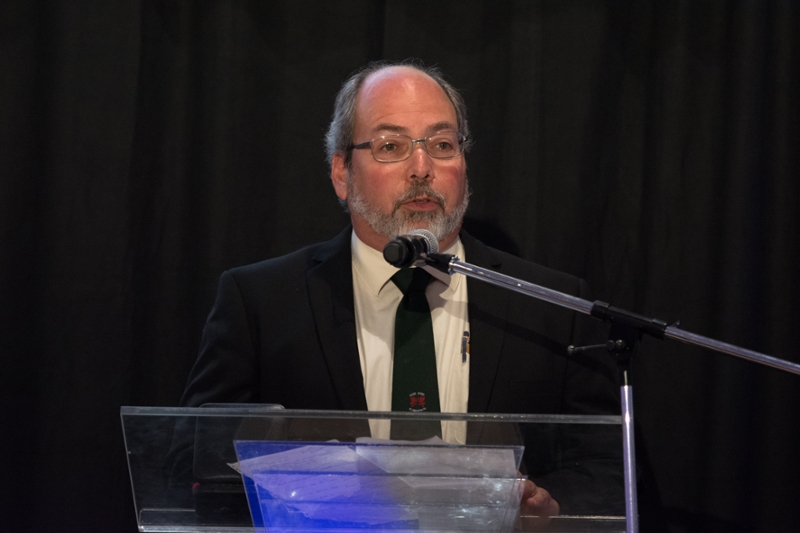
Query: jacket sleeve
{"x":226,"y":370}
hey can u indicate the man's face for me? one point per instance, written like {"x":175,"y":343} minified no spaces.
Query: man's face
{"x":388,"y":199}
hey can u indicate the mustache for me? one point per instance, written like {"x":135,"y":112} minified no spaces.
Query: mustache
{"x":417,"y":189}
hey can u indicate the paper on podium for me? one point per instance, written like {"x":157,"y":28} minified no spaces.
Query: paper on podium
{"x":396,"y":485}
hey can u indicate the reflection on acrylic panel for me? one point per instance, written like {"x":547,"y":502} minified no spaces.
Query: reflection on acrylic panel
{"x":370,"y":485}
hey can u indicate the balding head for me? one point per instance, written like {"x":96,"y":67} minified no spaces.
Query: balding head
{"x":339,"y":138}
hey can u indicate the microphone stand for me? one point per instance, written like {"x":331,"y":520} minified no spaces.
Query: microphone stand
{"x":624,"y":335}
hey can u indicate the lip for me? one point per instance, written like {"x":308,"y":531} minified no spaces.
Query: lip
{"x":421,"y":203}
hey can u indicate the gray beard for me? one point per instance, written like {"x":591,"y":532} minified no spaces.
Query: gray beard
{"x":401,"y":222}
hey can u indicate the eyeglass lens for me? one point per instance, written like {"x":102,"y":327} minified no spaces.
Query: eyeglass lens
{"x":442,"y":145}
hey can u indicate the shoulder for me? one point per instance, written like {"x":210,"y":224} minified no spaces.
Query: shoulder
{"x":287,"y":271}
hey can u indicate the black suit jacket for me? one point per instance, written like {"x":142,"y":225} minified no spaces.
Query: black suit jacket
{"x":283,"y":331}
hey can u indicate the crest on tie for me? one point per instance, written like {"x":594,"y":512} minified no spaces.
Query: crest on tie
{"x":416,"y":401}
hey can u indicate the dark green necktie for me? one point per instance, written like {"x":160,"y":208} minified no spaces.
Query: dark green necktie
{"x":414,"y":383}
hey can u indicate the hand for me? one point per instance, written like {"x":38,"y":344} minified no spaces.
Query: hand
{"x":536,"y":501}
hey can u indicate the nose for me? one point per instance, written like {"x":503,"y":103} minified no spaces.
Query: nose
{"x":421,"y":162}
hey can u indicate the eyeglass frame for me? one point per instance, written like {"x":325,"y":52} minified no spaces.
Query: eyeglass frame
{"x":462,"y":139}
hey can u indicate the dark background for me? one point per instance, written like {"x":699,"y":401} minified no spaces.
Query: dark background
{"x":650,"y":147}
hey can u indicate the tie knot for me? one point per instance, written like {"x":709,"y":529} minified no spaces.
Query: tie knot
{"x":411,"y":280}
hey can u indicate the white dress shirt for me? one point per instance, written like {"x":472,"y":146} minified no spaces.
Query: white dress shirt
{"x":376,"y":299}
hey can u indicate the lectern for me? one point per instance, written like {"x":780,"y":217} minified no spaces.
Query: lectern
{"x":231,"y":468}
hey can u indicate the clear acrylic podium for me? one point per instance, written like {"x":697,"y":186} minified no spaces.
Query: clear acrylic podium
{"x":249,"y":467}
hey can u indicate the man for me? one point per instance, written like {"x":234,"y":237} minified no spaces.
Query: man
{"x":314,"y":329}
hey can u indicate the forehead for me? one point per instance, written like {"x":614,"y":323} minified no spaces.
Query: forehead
{"x":403,"y":100}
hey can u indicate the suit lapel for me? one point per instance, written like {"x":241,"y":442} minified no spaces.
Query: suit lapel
{"x":330,"y":289}
{"x":488,"y":306}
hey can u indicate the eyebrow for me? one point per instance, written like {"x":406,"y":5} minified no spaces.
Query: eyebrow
{"x":402,"y":130}
{"x":439,"y":126}
{"x":392,"y":128}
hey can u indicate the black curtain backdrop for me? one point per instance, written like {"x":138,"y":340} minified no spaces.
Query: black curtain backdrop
{"x":650,"y":147}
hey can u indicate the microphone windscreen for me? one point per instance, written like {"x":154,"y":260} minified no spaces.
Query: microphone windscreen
{"x":430,"y":238}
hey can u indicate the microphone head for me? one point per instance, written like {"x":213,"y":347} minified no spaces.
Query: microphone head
{"x":405,"y":250}
{"x":430,"y":238}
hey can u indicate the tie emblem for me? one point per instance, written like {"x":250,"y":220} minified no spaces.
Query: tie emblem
{"x":416,"y":401}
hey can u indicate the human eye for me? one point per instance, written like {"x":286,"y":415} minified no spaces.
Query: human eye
{"x":442,"y":145}
{"x":391,"y":148}
{"x":388,"y":144}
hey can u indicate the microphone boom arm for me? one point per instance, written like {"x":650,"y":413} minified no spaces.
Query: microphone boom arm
{"x":626,"y":330}
{"x":603,"y":311}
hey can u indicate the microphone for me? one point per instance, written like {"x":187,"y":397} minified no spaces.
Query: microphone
{"x":411,"y":249}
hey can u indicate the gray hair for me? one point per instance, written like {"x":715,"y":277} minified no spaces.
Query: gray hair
{"x":339,"y":138}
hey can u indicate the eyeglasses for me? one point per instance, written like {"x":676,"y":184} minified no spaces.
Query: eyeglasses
{"x":393,"y":148}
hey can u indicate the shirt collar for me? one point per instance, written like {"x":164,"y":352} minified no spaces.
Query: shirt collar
{"x":375,"y":272}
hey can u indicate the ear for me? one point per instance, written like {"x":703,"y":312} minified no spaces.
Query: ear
{"x":339,"y":173}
